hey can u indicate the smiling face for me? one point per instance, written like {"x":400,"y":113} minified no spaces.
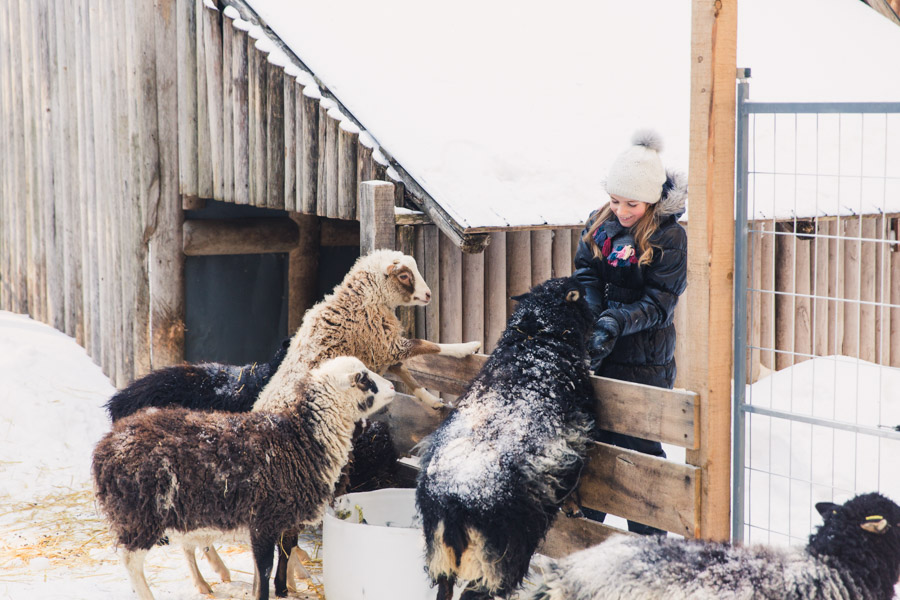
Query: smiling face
{"x":627,"y":211}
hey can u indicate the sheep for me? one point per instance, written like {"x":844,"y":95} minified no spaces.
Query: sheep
{"x":204,"y":386}
{"x":854,"y":554}
{"x":176,"y":472}
{"x":496,"y":471}
{"x":358,"y":319}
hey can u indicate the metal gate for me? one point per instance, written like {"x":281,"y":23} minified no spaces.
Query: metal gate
{"x":817,"y":311}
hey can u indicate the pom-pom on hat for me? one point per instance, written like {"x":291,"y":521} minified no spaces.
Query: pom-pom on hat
{"x":638,"y":173}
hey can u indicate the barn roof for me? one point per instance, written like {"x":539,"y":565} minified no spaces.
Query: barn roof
{"x":506,"y":114}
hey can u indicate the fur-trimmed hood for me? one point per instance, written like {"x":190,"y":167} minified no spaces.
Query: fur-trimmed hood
{"x":674,"y":195}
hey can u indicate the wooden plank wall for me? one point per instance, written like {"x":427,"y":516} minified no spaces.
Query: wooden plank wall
{"x":471,"y":291}
{"x":830,"y":288}
{"x":86,"y":99}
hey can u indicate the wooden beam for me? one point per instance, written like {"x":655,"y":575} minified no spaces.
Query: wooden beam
{"x":215,"y":237}
{"x":711,"y":252}
{"x":570,"y":534}
{"x":651,"y":490}
{"x":376,"y":216}
{"x":669,"y":416}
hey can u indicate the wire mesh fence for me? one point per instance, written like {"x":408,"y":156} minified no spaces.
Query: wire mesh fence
{"x":817,"y":312}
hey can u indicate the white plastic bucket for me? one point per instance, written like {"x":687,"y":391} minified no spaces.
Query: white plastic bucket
{"x":380,"y":560}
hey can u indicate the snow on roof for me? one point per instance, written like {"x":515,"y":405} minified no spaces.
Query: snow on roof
{"x":509,"y":113}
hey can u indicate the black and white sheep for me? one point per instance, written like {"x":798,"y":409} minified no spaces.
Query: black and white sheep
{"x":359,"y":319}
{"x":178,"y":472}
{"x":855,"y":554}
{"x":495,"y":473}
{"x":203,"y":386}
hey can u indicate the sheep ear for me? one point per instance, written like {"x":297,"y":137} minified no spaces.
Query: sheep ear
{"x":826,"y":508}
{"x":573,"y":296}
{"x":520,"y":297}
{"x":873,"y":526}
{"x":390,"y":268}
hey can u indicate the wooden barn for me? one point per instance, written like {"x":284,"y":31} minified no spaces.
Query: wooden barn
{"x":127,"y":120}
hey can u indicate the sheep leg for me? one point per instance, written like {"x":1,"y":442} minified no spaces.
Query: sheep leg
{"x":286,"y":543}
{"x":196,"y":577}
{"x":418,"y":347}
{"x":216,"y":561}
{"x":474,"y":593}
{"x":428,"y":399}
{"x":134,"y":564}
{"x":445,"y":585}
{"x":263,"y":545}
{"x":295,"y":568}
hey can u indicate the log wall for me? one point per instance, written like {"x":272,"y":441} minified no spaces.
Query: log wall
{"x":821,"y":288}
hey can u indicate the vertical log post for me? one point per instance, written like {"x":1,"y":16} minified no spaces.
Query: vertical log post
{"x":376,"y":216}
{"x":711,"y":251}
{"x":240,"y":135}
{"x":186,"y":55}
{"x":303,"y":269}
{"x":494,"y":290}
{"x":167,"y":273}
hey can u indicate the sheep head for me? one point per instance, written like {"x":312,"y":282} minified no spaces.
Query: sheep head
{"x":406,"y":284}
{"x":363,"y":388}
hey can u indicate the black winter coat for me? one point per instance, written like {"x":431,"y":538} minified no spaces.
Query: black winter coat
{"x":641,"y":298}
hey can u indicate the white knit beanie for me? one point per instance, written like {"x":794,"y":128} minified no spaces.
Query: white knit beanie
{"x":638,"y":173}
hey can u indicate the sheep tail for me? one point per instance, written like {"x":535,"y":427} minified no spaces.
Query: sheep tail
{"x":456,"y":538}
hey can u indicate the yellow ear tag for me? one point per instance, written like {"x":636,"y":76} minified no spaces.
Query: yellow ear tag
{"x":874,"y":518}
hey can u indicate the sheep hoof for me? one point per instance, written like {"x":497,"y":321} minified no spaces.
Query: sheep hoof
{"x":204,"y":588}
{"x":429,"y":400}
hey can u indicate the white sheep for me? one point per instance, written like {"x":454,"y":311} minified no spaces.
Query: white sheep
{"x":195,"y":476}
{"x":359,"y":319}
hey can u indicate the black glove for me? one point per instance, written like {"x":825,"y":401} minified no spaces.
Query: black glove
{"x":606,"y":332}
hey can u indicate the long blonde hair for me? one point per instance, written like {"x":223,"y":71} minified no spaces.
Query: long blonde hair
{"x":642,"y":231}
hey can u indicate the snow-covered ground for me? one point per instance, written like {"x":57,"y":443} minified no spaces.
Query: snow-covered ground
{"x":793,"y":464}
{"x":53,"y":542}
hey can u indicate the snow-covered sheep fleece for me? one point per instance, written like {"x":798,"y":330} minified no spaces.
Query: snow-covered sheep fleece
{"x":855,"y":554}
{"x":191,"y":474}
{"x":495,"y":473}
{"x":202,"y":386}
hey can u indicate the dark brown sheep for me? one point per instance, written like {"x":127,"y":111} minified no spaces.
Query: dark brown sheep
{"x":195,"y":476}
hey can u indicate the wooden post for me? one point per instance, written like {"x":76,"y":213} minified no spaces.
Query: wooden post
{"x":330,"y":153}
{"x":868,"y":274}
{"x":473,"y":291}
{"x":240,"y":136}
{"x":347,"y":187}
{"x":541,"y":255}
{"x":894,"y":295}
{"x":227,"y":109}
{"x":212,"y":51}
{"x":257,"y":79}
{"x":406,"y":241}
{"x":376,"y":216}
{"x":186,"y":55}
{"x":850,"y":286}
{"x":289,"y":159}
{"x":562,"y":253}
{"x":432,"y":275}
{"x":518,"y":266}
{"x":167,"y":274}
{"x":275,"y":136}
{"x":494,"y":290}
{"x":784,"y":302}
{"x":303,"y":269}
{"x":204,"y":135}
{"x":322,"y":173}
{"x":819,"y":268}
{"x":711,"y":251}
{"x":308,"y":149}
